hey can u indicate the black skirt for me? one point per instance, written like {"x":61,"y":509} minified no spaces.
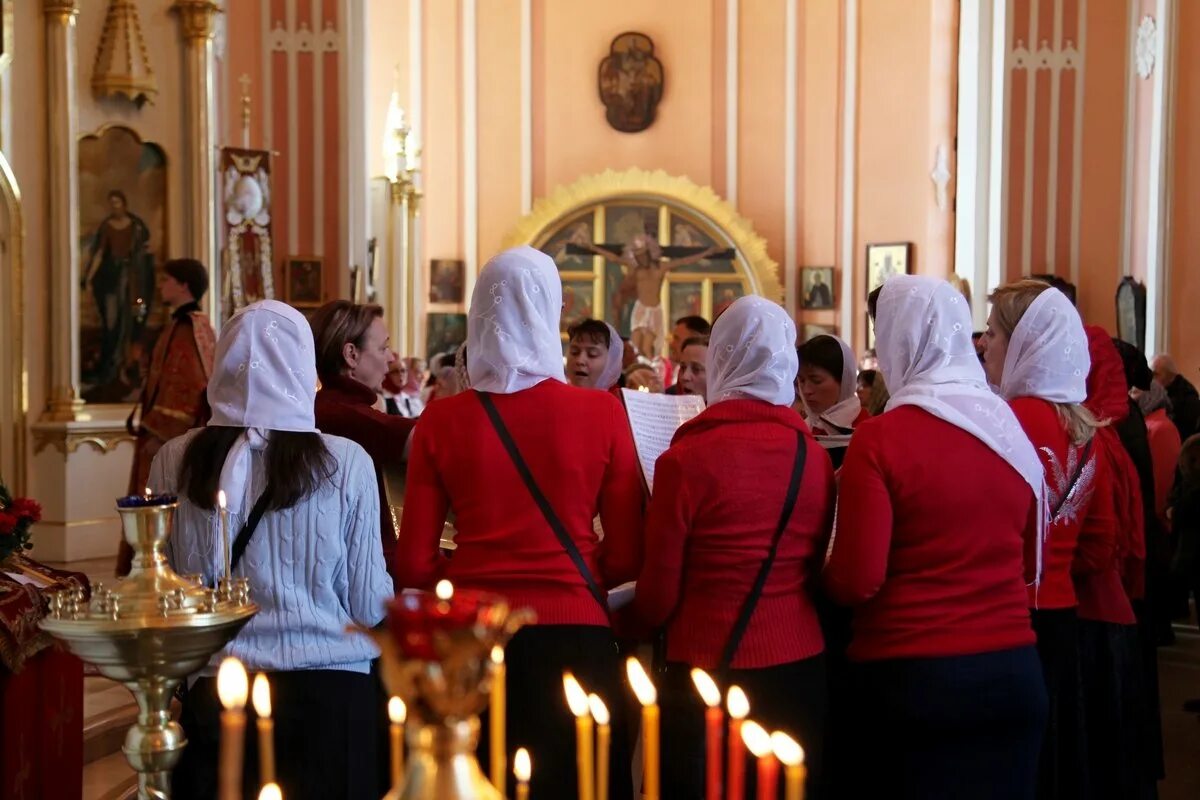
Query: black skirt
{"x":789,"y":697}
{"x":538,"y":718}
{"x":1063,"y":768}
{"x":324,"y":738}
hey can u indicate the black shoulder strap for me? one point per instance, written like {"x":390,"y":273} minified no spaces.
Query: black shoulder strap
{"x":1083,"y":460}
{"x":247,"y":531}
{"x":555,"y":523}
{"x":760,"y":581}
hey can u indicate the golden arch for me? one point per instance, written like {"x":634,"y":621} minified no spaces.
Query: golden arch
{"x":720,"y":220}
{"x":15,"y":401}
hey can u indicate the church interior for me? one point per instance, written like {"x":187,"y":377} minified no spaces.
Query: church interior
{"x":382,"y":151}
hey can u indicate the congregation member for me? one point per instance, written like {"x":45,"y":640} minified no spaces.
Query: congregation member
{"x":693,"y":367}
{"x":304,"y":512}
{"x":828,"y":392}
{"x":1185,"y":400}
{"x":526,"y":462}
{"x":864,"y":386}
{"x":172,"y":399}
{"x":736,"y":533}
{"x":686,"y":328}
{"x":353,"y":355}
{"x":392,"y":392}
{"x":412,"y":405}
{"x":945,"y":690}
{"x":594,"y":353}
{"x":642,"y":377}
{"x":1036,"y":353}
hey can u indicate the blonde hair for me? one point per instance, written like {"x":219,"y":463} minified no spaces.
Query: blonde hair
{"x":1009,"y":304}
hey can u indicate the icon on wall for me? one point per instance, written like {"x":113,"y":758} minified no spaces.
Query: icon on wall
{"x":818,"y":287}
{"x":631,"y":83}
{"x":886,"y":260}
{"x":303,"y":281}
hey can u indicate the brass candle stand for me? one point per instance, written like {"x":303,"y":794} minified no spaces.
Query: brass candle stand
{"x":150,"y":632}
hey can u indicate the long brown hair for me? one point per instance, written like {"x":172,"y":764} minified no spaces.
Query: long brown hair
{"x":335,"y":324}
{"x":297,"y":464}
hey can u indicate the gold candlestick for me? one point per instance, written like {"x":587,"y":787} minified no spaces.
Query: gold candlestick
{"x":497,"y":719}
{"x":398,"y":714}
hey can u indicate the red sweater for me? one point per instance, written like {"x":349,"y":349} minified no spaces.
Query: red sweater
{"x":344,"y":408}
{"x":578,"y":447}
{"x":718,"y":493}
{"x":930,"y":543}
{"x":1073,"y":549}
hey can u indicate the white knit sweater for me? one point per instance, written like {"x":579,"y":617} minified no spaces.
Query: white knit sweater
{"x":314,"y":568}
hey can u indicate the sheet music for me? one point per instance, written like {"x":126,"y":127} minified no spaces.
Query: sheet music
{"x":621,"y":596}
{"x":654,"y":418}
{"x":833,"y":442}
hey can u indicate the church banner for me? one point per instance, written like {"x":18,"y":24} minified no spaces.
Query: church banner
{"x":246,"y":189}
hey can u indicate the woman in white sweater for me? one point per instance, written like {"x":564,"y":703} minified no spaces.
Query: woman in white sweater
{"x":314,"y":560}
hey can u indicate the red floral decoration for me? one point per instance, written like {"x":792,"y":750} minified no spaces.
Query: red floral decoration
{"x":17,"y":515}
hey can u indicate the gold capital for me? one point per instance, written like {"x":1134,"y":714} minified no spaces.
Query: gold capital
{"x":60,"y":10}
{"x":198,"y":17}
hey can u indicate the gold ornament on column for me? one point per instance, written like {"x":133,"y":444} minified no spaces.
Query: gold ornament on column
{"x":61,"y":10}
{"x":122,"y":65}
{"x":198,"y":17}
{"x":402,"y":158}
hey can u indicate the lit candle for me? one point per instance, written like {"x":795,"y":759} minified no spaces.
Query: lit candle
{"x":261,"y":695}
{"x":232,"y":688}
{"x":497,"y":721}
{"x":584,"y":754}
{"x":735,"y":774}
{"x":648,"y":697}
{"x":149,"y":493}
{"x":791,"y":755}
{"x":759,"y":743}
{"x":224,"y":531}
{"x":444,"y":590}
{"x":397,"y":713}
{"x":603,"y":744}
{"x":713,"y":717}
{"x":271,"y":791}
{"x":522,"y":770}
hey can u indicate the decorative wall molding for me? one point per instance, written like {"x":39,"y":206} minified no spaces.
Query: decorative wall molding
{"x":122,"y":65}
{"x":304,"y":39}
{"x":1146,"y":47}
{"x":1046,"y":57}
{"x":941,"y":176}
{"x":66,"y":441}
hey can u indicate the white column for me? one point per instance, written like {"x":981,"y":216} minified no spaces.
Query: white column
{"x":62,"y":131}
{"x":1160,"y":138}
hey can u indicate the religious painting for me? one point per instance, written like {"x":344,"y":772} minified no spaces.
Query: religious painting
{"x":886,"y":260}
{"x":447,"y":278}
{"x":249,"y":254}
{"x":302,"y":278}
{"x":1131,"y":312}
{"x":578,"y":232}
{"x":444,"y":333}
{"x":685,"y":299}
{"x":810,"y":331}
{"x":818,"y":287}
{"x":723,"y":296}
{"x":631,"y":83}
{"x":122,"y":246}
{"x":578,"y":303}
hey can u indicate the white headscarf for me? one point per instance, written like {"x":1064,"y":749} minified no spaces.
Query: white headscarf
{"x":752,"y":353}
{"x":1048,"y":355}
{"x":845,"y":411}
{"x":264,"y":379}
{"x":612,"y":363}
{"x":512,"y":333}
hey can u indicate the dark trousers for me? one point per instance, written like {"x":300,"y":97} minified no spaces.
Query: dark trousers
{"x":789,"y":697}
{"x":1063,"y":767}
{"x":538,"y":718}
{"x":953,"y":727}
{"x":324,"y":738}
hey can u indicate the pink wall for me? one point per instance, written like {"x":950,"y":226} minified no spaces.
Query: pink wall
{"x":1183,"y":281}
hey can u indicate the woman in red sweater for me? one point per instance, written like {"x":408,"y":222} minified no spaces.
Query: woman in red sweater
{"x":713,"y":529}
{"x":579,"y":455}
{"x":1036,"y":352}
{"x":935,"y":497}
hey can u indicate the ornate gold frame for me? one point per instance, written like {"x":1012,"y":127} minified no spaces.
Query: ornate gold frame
{"x":18,"y":379}
{"x":657,"y":186}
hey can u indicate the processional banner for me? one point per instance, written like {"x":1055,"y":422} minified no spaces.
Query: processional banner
{"x":249,"y":265}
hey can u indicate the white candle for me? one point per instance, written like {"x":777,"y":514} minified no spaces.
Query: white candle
{"x":232,"y":688}
{"x":261,"y":695}
{"x":224,"y":532}
{"x":522,"y":770}
{"x":585,"y":753}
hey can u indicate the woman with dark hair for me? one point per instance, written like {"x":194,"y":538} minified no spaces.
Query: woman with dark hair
{"x":305,"y":505}
{"x":353,"y":355}
{"x":828,"y":393}
{"x":526,"y":462}
{"x":865,"y":386}
{"x":743,"y":488}
{"x":594,"y":354}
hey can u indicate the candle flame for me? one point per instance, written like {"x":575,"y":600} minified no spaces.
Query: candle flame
{"x":707,"y":688}
{"x":643,"y":687}
{"x":522,"y":767}
{"x":599,"y":710}
{"x":444,"y":590}
{"x":577,"y":698}
{"x":736,"y":702}
{"x":787,"y":749}
{"x":397,"y":711}
{"x":232,"y":684}
{"x":148,"y":492}
{"x":757,"y":740}
{"x":261,"y":696}
{"x":270,"y":791}
{"x":220,"y":499}
{"x":497,"y":654}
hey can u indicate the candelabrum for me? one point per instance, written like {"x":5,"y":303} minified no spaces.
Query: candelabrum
{"x":437,"y":657}
{"x":149,"y":632}
{"x":403,"y":159}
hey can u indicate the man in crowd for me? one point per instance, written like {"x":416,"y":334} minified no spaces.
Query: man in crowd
{"x":172,"y":401}
{"x":1185,"y":401}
